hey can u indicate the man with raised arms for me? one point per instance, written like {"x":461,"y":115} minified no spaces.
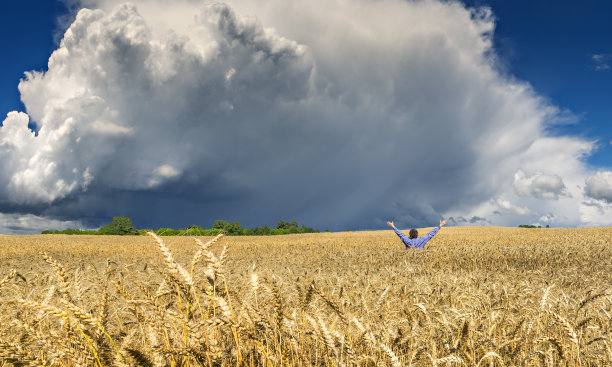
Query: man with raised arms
{"x":413,"y":240}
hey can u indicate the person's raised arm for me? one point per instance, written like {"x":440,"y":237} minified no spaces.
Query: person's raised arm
{"x":402,"y":236}
{"x":435,"y":230}
{"x":432,"y":233}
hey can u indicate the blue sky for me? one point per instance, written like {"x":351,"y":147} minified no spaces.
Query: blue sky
{"x":312,"y":112}
{"x":551,"y":45}
{"x":27,"y":34}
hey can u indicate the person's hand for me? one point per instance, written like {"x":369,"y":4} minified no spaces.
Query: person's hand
{"x":390,"y":224}
{"x":442,"y":223}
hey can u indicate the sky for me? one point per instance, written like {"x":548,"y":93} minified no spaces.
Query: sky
{"x":332,"y":113}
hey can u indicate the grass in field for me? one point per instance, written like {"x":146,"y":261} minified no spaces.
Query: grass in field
{"x":476,"y":296}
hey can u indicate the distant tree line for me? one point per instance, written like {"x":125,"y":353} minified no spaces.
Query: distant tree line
{"x":123,"y":226}
{"x":531,"y":226}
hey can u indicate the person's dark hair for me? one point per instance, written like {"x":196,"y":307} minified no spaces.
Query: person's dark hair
{"x":413,"y":233}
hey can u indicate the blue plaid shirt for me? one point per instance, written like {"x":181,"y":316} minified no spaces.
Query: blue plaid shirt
{"x":419,"y":242}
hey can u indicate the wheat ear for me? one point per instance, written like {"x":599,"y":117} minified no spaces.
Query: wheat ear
{"x":491,"y":356}
{"x":16,"y":355}
{"x":169,"y":259}
{"x":203,"y":248}
{"x":7,"y":279}
{"x":61,"y":275}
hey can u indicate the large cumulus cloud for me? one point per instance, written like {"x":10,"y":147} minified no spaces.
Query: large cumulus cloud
{"x":330,"y":113}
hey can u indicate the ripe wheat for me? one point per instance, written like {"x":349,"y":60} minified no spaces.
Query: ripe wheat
{"x":474,"y":297}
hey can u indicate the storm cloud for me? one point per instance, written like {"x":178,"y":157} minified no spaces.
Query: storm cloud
{"x":334,"y":114}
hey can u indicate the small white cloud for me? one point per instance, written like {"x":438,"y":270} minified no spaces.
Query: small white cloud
{"x":539,"y":185}
{"x":506,"y":205}
{"x":109,"y":128}
{"x":166,"y":171}
{"x":230,"y":73}
{"x":548,"y":218}
{"x":565,"y":117}
{"x":14,"y":131}
{"x":87,"y":179}
{"x":32,"y":224}
{"x":602,"y":61}
{"x":162,"y":173}
{"x":599,"y":186}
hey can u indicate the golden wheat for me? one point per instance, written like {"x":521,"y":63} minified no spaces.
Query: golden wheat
{"x":474,"y":297}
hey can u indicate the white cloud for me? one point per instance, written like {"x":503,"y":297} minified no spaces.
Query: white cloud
{"x":506,"y":205}
{"x":548,"y":218}
{"x":263,"y":110}
{"x":31,"y":172}
{"x":162,"y":174}
{"x":599,"y":186}
{"x":595,"y":213}
{"x":538,"y":185}
{"x":28,"y":223}
{"x":602,"y":61}
{"x":166,"y":171}
{"x":87,"y":179}
{"x":109,"y":128}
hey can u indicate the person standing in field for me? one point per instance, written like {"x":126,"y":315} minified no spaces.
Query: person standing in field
{"x":413,"y":240}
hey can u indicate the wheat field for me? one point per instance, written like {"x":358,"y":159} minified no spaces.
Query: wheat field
{"x":476,"y":296}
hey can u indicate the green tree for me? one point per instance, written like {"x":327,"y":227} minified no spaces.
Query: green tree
{"x":169,"y":232}
{"x":194,"y":230}
{"x":219,"y":224}
{"x":233,"y":228}
{"x":119,"y":226}
{"x":293,"y":227}
{"x":263,"y":231}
